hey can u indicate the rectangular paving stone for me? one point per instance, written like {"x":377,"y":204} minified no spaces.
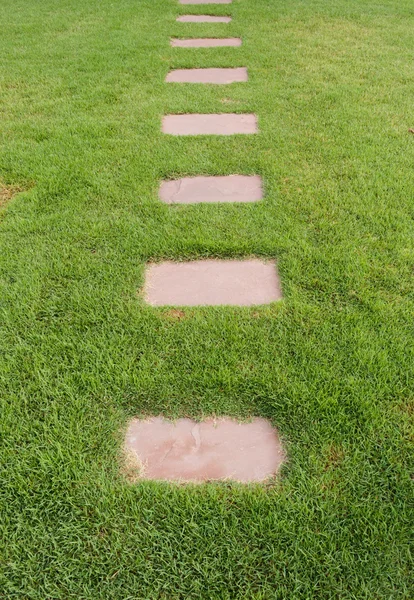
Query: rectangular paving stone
{"x":205,"y":1}
{"x":211,"y":75}
{"x":195,"y":190}
{"x":213,"y":449}
{"x":205,"y":42}
{"x":212,"y":283}
{"x":221,"y":124}
{"x":202,"y":19}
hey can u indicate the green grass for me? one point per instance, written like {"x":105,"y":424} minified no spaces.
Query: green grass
{"x":82,"y":94}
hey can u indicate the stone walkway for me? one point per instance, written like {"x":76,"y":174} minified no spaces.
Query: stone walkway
{"x":205,"y":42}
{"x":205,"y":1}
{"x":212,"y":189}
{"x":221,"y":124}
{"x":221,"y":449}
{"x":212,"y":282}
{"x":210,"y":75}
{"x":209,"y":450}
{"x":202,"y":19}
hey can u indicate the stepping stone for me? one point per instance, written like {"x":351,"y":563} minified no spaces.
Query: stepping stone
{"x":205,"y":42}
{"x":195,"y":190}
{"x":218,"y":76}
{"x":202,"y":19}
{"x":205,"y":1}
{"x":214,"y":449}
{"x":212,"y":283}
{"x":222,"y":124}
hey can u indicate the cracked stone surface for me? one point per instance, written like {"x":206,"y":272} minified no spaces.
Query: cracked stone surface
{"x":212,"y":282}
{"x":205,"y":1}
{"x":205,"y":42}
{"x":195,"y":190}
{"x":221,"y":124}
{"x":221,"y":76}
{"x":220,"y":449}
{"x":202,"y":19}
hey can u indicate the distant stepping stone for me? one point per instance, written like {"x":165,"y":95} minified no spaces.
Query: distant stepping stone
{"x":214,"y":449}
{"x":217,"y":76}
{"x":221,"y":124}
{"x":202,"y":19}
{"x":195,"y":190}
{"x":205,"y":42}
{"x":212,"y":283}
{"x":205,"y":1}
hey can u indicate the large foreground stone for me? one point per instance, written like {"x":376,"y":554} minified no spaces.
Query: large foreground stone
{"x":195,"y":190}
{"x":205,"y":42}
{"x":202,"y":19}
{"x":211,"y":450}
{"x":210,"y":75}
{"x":221,"y":124}
{"x":212,"y":283}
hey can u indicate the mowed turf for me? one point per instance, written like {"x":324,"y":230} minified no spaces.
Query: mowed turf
{"x":82,"y":95}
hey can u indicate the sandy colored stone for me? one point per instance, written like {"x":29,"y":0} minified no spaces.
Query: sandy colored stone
{"x":195,"y":190}
{"x":190,"y":451}
{"x":211,"y":75}
{"x":210,"y":124}
{"x":205,"y":42}
{"x":205,"y":1}
{"x":212,"y":282}
{"x":202,"y":19}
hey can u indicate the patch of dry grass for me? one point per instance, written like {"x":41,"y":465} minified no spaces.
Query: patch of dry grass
{"x":7,"y":192}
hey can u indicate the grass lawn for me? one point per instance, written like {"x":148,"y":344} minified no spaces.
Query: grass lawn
{"x":82,"y":95}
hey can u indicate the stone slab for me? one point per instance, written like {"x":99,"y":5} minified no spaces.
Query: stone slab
{"x":221,"y":124}
{"x":206,"y":1}
{"x":214,"y":449}
{"x":212,"y":282}
{"x":205,"y":42}
{"x":202,"y":19}
{"x":218,"y":76}
{"x":195,"y":190}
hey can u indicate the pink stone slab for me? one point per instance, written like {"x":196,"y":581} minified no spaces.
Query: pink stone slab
{"x":212,"y":283}
{"x":222,"y":124}
{"x":205,"y":42}
{"x":220,"y":449}
{"x":195,"y":190}
{"x":202,"y":19}
{"x":217,"y":76}
{"x":205,"y":1}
